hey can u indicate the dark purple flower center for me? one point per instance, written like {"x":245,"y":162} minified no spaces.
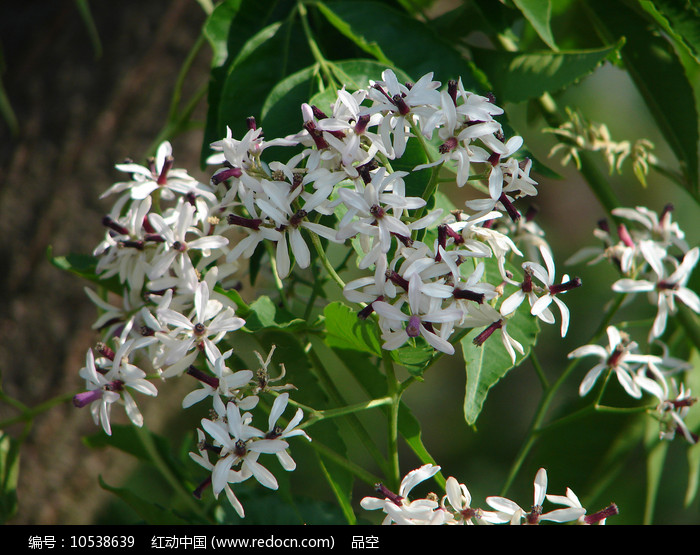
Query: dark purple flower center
{"x":413,"y":328}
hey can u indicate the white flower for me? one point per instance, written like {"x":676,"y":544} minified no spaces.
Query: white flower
{"x":485,"y":315}
{"x":347,"y":131}
{"x":398,"y":507}
{"x":372,"y":206}
{"x":126,"y":250}
{"x":222,"y":383}
{"x":674,"y":403}
{"x":402,"y":103}
{"x":175,"y":239}
{"x":509,"y":511}
{"x":277,"y":205}
{"x":419,"y":322}
{"x":291,"y":430}
{"x":106,"y":387}
{"x":616,"y":356}
{"x":202,"y":459}
{"x":158,"y":176}
{"x":459,"y":497}
{"x":240,"y":444}
{"x":552,"y":290}
{"x":665,"y":290}
{"x":658,"y":228}
{"x":570,"y":500}
{"x":207,"y":325}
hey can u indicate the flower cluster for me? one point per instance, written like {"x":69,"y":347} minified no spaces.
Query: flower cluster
{"x":640,"y":373}
{"x":652,"y":257}
{"x":174,"y":247}
{"x":455,"y":507}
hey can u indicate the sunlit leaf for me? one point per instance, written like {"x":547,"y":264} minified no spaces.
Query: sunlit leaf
{"x":538,"y":13}
{"x":264,"y":314}
{"x":487,"y":364}
{"x":84,"y":266}
{"x":517,"y":76}
{"x":344,"y":330}
{"x":680,"y":19}
{"x":392,"y":36}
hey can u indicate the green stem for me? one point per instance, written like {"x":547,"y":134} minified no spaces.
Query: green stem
{"x":278,"y":282}
{"x":324,"y":260}
{"x":315,"y":290}
{"x":393,"y":387}
{"x":540,"y":371}
{"x":313,"y":46}
{"x":28,"y":414}
{"x":186,"y":65}
{"x":319,"y":415}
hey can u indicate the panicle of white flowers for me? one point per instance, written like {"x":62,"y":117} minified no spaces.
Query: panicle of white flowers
{"x":455,"y":506}
{"x":173,"y":245}
{"x":653,"y":257}
{"x":638,"y":374}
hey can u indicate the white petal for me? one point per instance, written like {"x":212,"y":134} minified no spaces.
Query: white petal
{"x":590,"y":379}
{"x":632,"y":286}
{"x":299,"y":248}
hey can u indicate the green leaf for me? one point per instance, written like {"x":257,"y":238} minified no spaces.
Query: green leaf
{"x":660,"y":78}
{"x":538,"y":13}
{"x":410,"y":430}
{"x":9,"y":474}
{"x":242,"y":307}
{"x":84,"y":265}
{"x":150,"y":512}
{"x":264,"y":314}
{"x":681,"y":21}
{"x":231,"y":25}
{"x":355,"y":35}
{"x":656,"y":451}
{"x":281,"y":112}
{"x":399,"y":40}
{"x":516,"y":76}
{"x":344,"y":330}
{"x":487,"y":364}
{"x":216,"y":29}
{"x":414,"y":358}
{"x":341,"y":482}
{"x":373,"y":382}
